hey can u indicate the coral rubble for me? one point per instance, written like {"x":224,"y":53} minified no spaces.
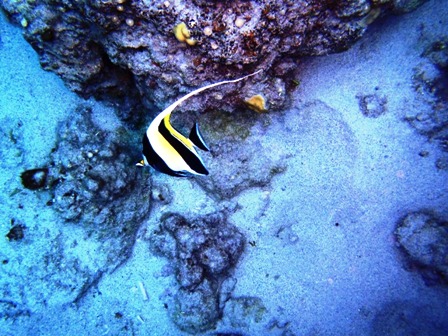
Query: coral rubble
{"x":204,"y":251}
{"x":93,"y":185}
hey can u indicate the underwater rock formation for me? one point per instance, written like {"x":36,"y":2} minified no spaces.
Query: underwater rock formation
{"x":204,"y":251}
{"x":56,"y":254}
{"x":122,"y":50}
{"x":424,"y":238}
{"x":431,"y":83}
{"x":93,"y":185}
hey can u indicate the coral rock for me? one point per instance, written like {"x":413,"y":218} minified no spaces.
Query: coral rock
{"x":424,"y":238}
{"x":204,"y":251}
{"x":124,"y":52}
{"x":95,"y":186}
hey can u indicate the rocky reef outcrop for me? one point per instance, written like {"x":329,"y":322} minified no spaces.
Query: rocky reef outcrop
{"x":203,"y":250}
{"x":132,"y":52}
{"x":424,"y":238}
{"x":99,"y":204}
{"x":91,"y":184}
{"x":430,"y":82}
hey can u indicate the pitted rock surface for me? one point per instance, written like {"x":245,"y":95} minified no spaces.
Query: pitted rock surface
{"x":126,"y":52}
{"x":204,"y":251}
{"x":95,"y":183}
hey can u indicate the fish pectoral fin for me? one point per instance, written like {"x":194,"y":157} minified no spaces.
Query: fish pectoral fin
{"x":197,"y":139}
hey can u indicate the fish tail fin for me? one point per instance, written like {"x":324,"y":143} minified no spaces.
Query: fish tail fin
{"x":197,"y":139}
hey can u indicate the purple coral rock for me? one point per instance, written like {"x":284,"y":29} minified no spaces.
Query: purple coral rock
{"x":93,"y":185}
{"x":206,"y":247}
{"x":127,"y":53}
{"x":424,"y":238}
{"x":205,"y":251}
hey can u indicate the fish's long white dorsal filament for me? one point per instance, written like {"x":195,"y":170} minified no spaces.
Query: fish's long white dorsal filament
{"x":171,"y":108}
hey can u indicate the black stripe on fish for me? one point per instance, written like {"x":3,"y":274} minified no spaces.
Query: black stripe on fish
{"x":190,"y":158}
{"x":155,"y":161}
{"x":196,"y":137}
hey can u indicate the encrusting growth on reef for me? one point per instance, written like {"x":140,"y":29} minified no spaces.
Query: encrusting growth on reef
{"x":183,"y":34}
{"x":257,"y":103}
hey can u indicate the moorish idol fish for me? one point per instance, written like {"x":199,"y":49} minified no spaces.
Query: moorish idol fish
{"x":168,"y":151}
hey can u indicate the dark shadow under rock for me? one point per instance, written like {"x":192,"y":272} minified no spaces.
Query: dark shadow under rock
{"x":404,"y":318}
